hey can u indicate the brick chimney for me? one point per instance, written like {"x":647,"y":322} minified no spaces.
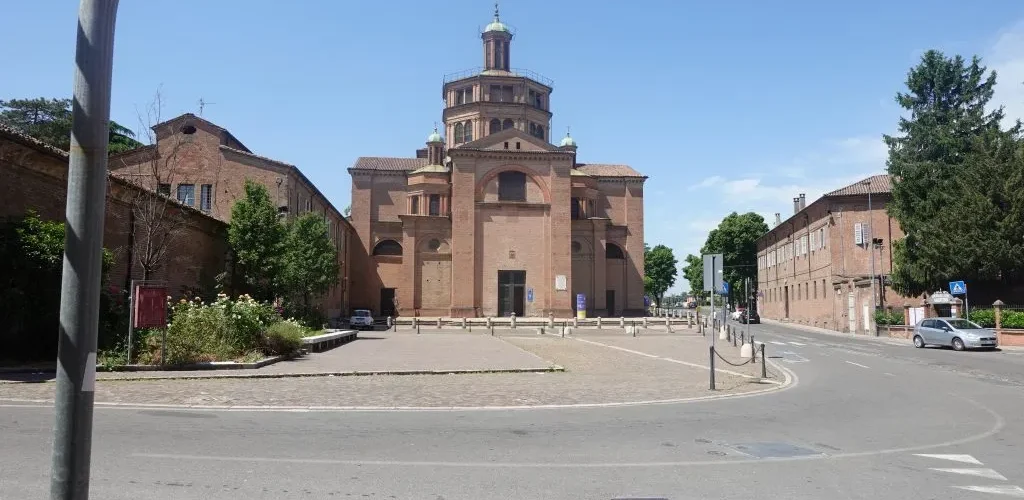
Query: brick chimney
{"x":803,"y":201}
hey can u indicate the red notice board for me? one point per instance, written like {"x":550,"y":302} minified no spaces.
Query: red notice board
{"x":150,"y":307}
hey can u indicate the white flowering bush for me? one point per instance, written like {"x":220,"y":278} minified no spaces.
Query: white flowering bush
{"x":223,"y":330}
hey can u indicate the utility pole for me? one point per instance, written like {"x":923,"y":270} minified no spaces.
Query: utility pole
{"x":83,"y":247}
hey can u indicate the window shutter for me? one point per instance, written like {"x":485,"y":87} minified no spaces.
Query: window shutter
{"x":858,"y":234}
{"x":814,"y":241}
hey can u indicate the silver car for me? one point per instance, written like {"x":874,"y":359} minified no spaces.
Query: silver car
{"x":957,"y":333}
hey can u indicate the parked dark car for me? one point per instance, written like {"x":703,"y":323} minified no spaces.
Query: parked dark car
{"x":750,"y":316}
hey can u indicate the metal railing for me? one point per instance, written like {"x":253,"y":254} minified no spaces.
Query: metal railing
{"x":520,"y":72}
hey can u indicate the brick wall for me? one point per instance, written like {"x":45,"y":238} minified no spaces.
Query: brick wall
{"x":36,"y":179}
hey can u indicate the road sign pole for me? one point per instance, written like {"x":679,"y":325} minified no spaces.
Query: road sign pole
{"x":83,"y":247}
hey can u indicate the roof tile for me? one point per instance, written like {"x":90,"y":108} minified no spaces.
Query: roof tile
{"x":875,"y":184}
{"x":388,"y":163}
{"x":607,"y":170}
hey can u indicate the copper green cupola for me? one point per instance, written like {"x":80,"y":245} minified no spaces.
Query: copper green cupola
{"x":497,"y":37}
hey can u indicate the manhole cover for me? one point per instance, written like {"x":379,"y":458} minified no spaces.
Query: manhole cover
{"x":773,"y":450}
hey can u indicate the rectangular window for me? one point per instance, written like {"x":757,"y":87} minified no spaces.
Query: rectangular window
{"x":512,"y":186}
{"x":206,"y":197}
{"x":858,"y":234}
{"x":821,"y":237}
{"x":187,"y":194}
{"x":574,"y":209}
{"x":814,"y":241}
{"x":164,"y":189}
{"x":495,"y":93}
{"x":435,"y":204}
{"x":815,"y":289}
{"x":414,"y":205}
{"x":309,"y":204}
{"x":506,"y":94}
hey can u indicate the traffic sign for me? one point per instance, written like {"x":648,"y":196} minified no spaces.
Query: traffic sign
{"x":713,"y":272}
{"x":957,"y":288}
{"x":725,"y":287}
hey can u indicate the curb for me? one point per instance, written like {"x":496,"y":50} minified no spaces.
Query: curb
{"x":353,"y":373}
{"x":212,"y":365}
{"x":789,"y":382}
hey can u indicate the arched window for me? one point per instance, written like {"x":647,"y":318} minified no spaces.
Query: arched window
{"x":533,"y":129}
{"x":512,"y":186}
{"x":495,"y":126}
{"x":468,"y":131}
{"x":540,"y":131}
{"x":613,"y":251}
{"x":458,"y":132}
{"x":507,"y":124}
{"x":387,"y":247}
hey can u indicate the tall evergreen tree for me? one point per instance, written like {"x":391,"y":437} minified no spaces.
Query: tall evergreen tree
{"x":953,"y":171}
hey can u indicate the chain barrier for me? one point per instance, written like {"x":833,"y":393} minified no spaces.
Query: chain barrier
{"x":731,"y":363}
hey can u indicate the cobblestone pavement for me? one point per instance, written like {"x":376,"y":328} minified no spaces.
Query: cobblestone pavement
{"x":595,"y":374}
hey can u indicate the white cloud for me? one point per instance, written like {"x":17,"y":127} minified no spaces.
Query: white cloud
{"x":1006,"y":58}
{"x":708,"y":182}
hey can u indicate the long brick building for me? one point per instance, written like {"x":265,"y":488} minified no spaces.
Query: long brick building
{"x":815,"y":267}
{"x":493,"y":219}
{"x":204,"y":166}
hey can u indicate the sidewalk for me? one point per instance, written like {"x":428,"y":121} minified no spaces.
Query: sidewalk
{"x":833,"y":333}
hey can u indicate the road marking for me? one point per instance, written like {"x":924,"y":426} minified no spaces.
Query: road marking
{"x":670,"y":360}
{"x":797,"y":343}
{"x":889,"y":374}
{"x":858,"y":364}
{"x":967,"y":459}
{"x":796,"y":358}
{"x":1013,"y":491}
{"x":776,"y":342}
{"x":985,"y":473}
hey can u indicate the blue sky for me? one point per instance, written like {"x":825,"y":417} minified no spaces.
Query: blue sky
{"x":727,"y":106}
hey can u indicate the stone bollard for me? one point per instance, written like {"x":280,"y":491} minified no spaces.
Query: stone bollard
{"x":513,"y":321}
{"x":598,"y":322}
{"x":575,"y":322}
{"x":668,"y":325}
{"x":463,"y":322}
{"x":746,"y":350}
{"x":391,"y":322}
{"x":415,"y":322}
{"x":439,"y":322}
{"x":488,"y":322}
{"x":689,"y":320}
{"x":551,"y":319}
{"x":645,"y":321}
{"x":540,"y":331}
{"x":622,"y":322}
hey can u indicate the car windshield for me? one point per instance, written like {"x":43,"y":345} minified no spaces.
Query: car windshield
{"x":963,"y":324}
{"x":362,"y":313}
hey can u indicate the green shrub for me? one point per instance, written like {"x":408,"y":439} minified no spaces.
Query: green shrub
{"x":1013,"y":319}
{"x":984,"y":317}
{"x":283,"y":337}
{"x":884,"y":318}
{"x":198,"y":333}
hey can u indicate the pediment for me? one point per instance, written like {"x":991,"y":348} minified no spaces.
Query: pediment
{"x":496,"y":142}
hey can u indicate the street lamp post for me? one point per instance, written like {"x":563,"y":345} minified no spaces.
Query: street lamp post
{"x":80,"y":280}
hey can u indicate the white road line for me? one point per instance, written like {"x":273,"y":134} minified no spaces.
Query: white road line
{"x":889,"y":374}
{"x":858,"y":364}
{"x":670,"y":360}
{"x":776,"y":342}
{"x":979,"y":472}
{"x":967,"y":459}
{"x":797,"y":343}
{"x":1013,"y":491}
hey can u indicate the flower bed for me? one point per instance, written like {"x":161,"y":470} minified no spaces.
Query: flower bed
{"x":241,"y":330}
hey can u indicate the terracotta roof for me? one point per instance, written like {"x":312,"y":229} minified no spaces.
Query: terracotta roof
{"x":608,"y":170}
{"x":431,"y":169}
{"x":388,"y":163}
{"x":875,"y":184}
{"x":27,"y":140}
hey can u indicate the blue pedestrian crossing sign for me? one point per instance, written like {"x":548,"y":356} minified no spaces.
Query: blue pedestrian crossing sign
{"x":725,"y":287}
{"x":957,"y":288}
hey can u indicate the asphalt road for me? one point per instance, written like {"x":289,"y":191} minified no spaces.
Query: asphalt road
{"x":855,"y":424}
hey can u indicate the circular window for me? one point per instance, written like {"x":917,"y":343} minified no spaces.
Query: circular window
{"x":188,"y":129}
{"x":434,"y":245}
{"x":576,"y":247}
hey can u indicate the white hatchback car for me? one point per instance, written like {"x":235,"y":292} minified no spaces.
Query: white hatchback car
{"x":361,"y":320}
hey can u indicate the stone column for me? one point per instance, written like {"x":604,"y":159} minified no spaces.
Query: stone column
{"x":600,"y":283}
{"x":997,"y":308}
{"x":906,"y":314}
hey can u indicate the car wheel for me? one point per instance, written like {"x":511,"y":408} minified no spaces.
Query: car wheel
{"x":958,"y":345}
{"x":918,"y":341}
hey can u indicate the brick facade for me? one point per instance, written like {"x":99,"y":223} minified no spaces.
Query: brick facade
{"x":814,"y":268}
{"x":493,"y":201}
{"x":35,"y":178}
{"x":205,"y":166}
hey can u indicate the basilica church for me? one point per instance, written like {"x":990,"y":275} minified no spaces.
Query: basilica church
{"x":492,"y":218}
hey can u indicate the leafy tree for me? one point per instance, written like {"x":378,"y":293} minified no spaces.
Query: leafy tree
{"x":311,"y":260}
{"x":957,"y":179}
{"x":736,"y":239}
{"x":659,"y":271}
{"x":693,"y":271}
{"x":257,"y":238}
{"x":49,"y":120}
